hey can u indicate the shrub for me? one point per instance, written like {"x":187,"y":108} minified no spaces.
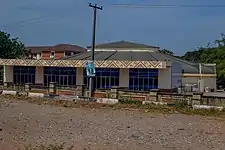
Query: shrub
{"x":130,"y":101}
{"x":181,"y":104}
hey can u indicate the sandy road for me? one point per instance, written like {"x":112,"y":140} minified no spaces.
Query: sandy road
{"x":23,"y":123}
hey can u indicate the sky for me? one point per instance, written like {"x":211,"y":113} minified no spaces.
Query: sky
{"x":50,"y":22}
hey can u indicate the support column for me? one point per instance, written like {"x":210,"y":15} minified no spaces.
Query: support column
{"x":124,"y":77}
{"x":8,"y":74}
{"x":39,"y":75}
{"x":79,"y":76}
{"x":201,"y":84}
{"x":165,"y":78}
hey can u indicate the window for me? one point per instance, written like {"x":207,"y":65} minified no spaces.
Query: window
{"x":52,"y":54}
{"x":64,"y":76}
{"x":105,"y":78}
{"x":67,"y":54}
{"x":33,"y":56}
{"x":39,"y":56}
{"x":24,"y":74}
{"x":143,"y":79}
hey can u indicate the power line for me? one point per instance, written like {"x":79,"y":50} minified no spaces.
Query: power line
{"x":129,"y":5}
{"x":40,"y":19}
{"x":28,"y":21}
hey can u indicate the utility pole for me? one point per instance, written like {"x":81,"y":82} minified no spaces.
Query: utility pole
{"x":95,"y":7}
{"x":200,"y":77}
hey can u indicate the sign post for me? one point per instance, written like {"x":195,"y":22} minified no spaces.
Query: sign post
{"x":95,"y":7}
{"x":90,"y":71}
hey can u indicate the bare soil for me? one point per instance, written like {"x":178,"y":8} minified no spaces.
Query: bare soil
{"x":23,"y":124}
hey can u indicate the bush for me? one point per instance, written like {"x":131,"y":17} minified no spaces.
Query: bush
{"x":125,"y":101}
{"x":181,"y":104}
{"x":107,"y":94}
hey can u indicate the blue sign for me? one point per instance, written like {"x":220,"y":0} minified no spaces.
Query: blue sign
{"x":90,"y":69}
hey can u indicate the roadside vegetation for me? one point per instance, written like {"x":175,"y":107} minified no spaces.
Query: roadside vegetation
{"x":179,"y":107}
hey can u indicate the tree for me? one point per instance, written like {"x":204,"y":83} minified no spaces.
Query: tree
{"x":211,"y":54}
{"x":221,"y":42}
{"x":11,"y":48}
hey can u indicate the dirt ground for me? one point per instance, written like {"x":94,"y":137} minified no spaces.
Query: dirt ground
{"x":23,"y":124}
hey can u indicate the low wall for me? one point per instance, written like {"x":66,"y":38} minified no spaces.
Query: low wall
{"x":161,"y":96}
{"x":99,"y":95}
{"x":197,"y":100}
{"x":9,"y":92}
{"x":36,"y":95}
{"x":35,"y":90}
{"x":65,"y":92}
{"x":164,"y":96}
{"x":107,"y":101}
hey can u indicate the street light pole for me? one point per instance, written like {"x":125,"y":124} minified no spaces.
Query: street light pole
{"x":95,"y":7}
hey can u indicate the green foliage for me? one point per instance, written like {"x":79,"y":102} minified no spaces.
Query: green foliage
{"x":129,"y":100}
{"x":11,"y":48}
{"x":181,"y":104}
{"x":107,"y":94}
{"x":208,"y":54}
{"x":213,"y":54}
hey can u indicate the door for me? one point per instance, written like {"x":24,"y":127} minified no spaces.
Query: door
{"x":47,"y":79}
{"x":65,"y":80}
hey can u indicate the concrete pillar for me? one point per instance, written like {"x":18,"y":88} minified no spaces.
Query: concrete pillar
{"x":79,"y":76}
{"x":114,"y":93}
{"x":39,"y":75}
{"x":201,"y":85}
{"x":80,"y":90}
{"x":197,"y":98}
{"x":27,"y":87}
{"x":52,"y":87}
{"x":165,"y":78}
{"x":8,"y":74}
{"x":153,"y":96}
{"x":124,"y":77}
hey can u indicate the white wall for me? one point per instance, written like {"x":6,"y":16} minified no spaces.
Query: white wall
{"x":189,"y":80}
{"x":206,"y":82}
{"x":210,"y":82}
{"x":124,"y":77}
{"x":8,"y":74}
{"x":39,"y":75}
{"x":165,"y":78}
{"x":176,"y":75}
{"x":38,"y":55}
{"x":79,"y":76}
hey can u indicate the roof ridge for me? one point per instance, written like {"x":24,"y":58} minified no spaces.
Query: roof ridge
{"x":123,"y":44}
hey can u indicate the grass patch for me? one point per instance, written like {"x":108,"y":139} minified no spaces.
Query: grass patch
{"x":130,"y":102}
